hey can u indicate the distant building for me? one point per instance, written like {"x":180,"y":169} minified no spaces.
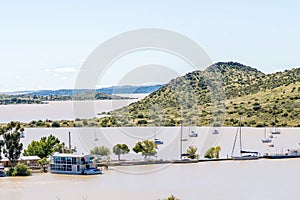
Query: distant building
{"x":31,"y":161}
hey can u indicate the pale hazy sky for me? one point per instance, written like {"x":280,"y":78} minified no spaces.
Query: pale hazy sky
{"x":43,"y":44}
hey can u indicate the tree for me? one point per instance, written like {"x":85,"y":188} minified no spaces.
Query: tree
{"x":43,"y":162}
{"x":119,"y":149}
{"x":172,"y":197}
{"x":11,"y":141}
{"x":100,"y":150}
{"x":191,"y":151}
{"x":209,"y":153}
{"x":217,"y":151}
{"x":213,"y":152}
{"x":44,"y":148}
{"x":147,"y":148}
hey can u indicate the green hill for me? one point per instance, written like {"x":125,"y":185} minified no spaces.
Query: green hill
{"x":219,"y":95}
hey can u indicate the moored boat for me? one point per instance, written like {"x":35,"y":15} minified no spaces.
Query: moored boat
{"x":73,"y":164}
{"x":290,"y":153}
{"x":243,"y":155}
{"x":193,"y":134}
{"x":158,"y":141}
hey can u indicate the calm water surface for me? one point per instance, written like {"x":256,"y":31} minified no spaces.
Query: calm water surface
{"x":57,"y":110}
{"x":261,"y":179}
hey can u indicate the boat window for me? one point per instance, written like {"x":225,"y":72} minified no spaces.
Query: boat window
{"x":69,"y":160}
{"x":63,"y":160}
{"x":74,"y":161}
{"x":56,"y":159}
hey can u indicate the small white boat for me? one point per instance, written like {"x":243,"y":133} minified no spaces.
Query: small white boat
{"x":266,"y":140}
{"x":276,"y":132}
{"x":22,"y":135}
{"x":193,"y":134}
{"x":158,"y":141}
{"x":92,"y":171}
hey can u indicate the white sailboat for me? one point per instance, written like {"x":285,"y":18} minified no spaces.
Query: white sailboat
{"x":157,"y":140}
{"x":243,"y":155}
{"x":265,"y":139}
{"x":193,"y":133}
{"x":275,"y":131}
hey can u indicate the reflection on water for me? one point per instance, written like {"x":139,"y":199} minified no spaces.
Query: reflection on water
{"x":260,"y":179}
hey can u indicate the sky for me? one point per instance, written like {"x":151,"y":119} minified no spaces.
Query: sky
{"x":44,"y":44}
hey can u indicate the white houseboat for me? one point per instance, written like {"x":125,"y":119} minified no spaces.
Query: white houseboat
{"x":73,"y":164}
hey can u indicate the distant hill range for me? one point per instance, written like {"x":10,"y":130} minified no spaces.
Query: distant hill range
{"x":219,"y":95}
{"x":126,"y":89}
{"x":39,"y":97}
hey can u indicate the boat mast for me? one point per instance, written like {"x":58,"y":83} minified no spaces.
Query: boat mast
{"x":69,"y":140}
{"x":234,"y":143}
{"x":265,"y":131}
{"x":240,"y":137}
{"x":181,"y":139}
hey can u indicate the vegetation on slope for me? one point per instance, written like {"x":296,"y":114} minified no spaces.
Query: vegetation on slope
{"x":220,"y":95}
{"x":217,"y":96}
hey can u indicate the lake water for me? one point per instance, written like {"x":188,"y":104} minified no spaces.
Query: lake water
{"x":57,"y":110}
{"x":85,"y":139}
{"x":257,"y":179}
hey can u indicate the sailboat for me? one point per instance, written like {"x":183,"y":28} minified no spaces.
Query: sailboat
{"x":275,"y":131}
{"x":266,"y":140}
{"x":193,"y":134}
{"x":185,"y":159}
{"x":95,"y":139}
{"x":243,"y":155}
{"x":22,"y":134}
{"x":156,"y":140}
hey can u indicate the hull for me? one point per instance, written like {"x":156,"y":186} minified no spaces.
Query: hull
{"x":185,"y":161}
{"x":281,"y":156}
{"x":245,"y":158}
{"x":85,"y":172}
{"x":64,"y":172}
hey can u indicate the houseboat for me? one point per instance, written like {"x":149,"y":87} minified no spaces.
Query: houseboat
{"x":73,"y":164}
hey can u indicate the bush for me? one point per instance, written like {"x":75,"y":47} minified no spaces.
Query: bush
{"x":55,"y":124}
{"x":85,"y":122}
{"x":20,"y":170}
{"x":142,"y":121}
{"x":10,"y":171}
